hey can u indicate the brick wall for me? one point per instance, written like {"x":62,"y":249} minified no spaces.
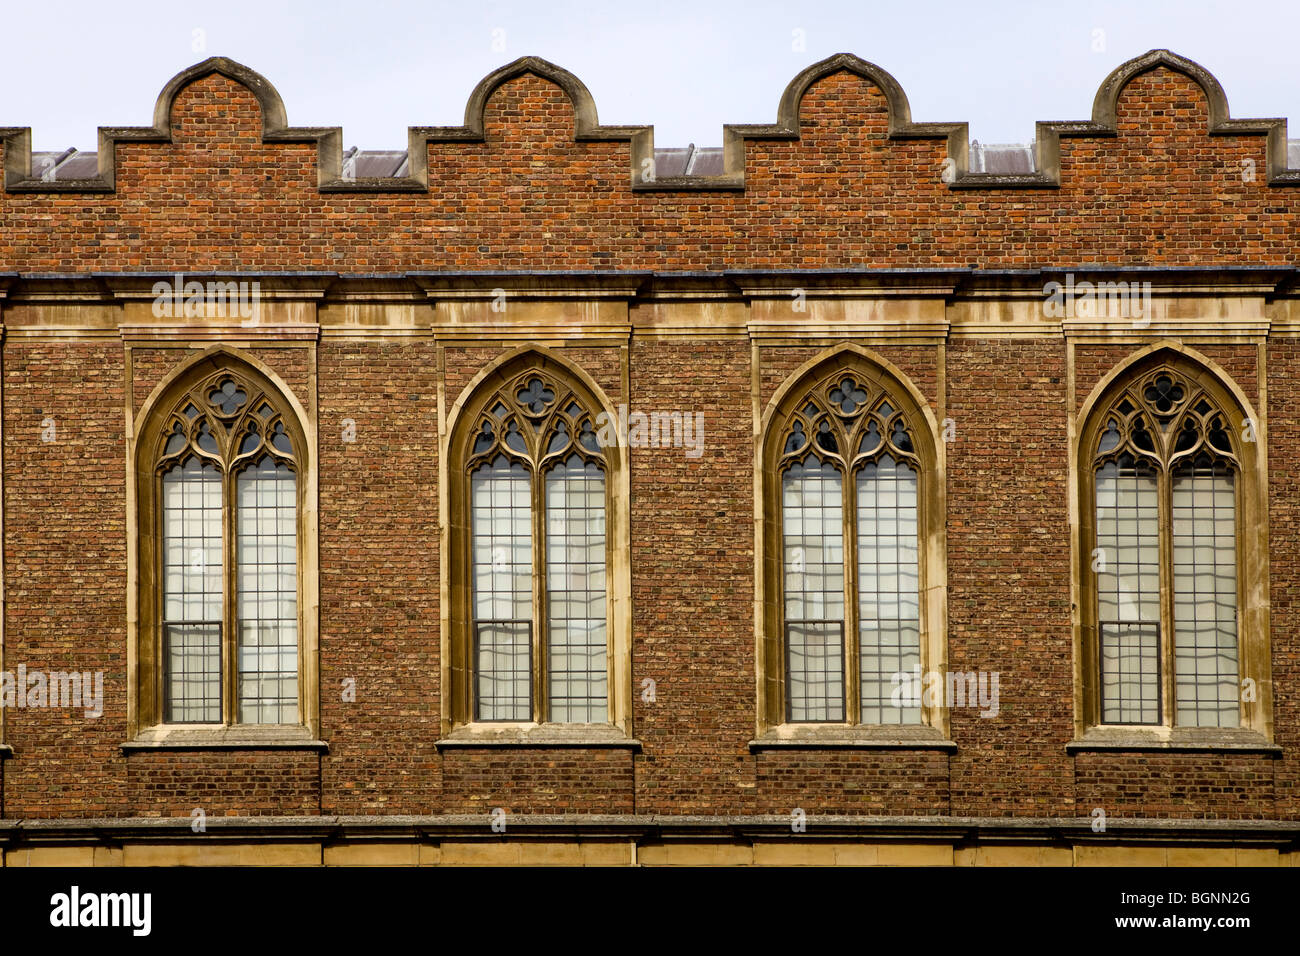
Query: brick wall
{"x":65,"y":569}
{"x":1162,"y":191}
{"x":222,"y":783}
{"x":843,"y":195}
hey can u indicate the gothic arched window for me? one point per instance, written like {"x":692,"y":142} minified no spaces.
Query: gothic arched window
{"x":851,"y":506}
{"x":1163,"y":487}
{"x":533,"y":617}
{"x":218,"y":479}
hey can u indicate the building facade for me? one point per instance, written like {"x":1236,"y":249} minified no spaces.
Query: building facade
{"x":550,"y":497}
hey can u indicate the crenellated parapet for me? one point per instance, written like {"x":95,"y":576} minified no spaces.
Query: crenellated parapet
{"x":1160,"y":175}
{"x":587,"y":128}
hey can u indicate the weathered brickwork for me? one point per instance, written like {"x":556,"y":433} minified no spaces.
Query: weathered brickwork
{"x":1284,"y":552}
{"x":222,"y":784}
{"x":389,"y":300}
{"x":847,"y":783}
{"x":557,"y":781}
{"x":65,"y":569}
{"x":1008,"y":573}
{"x":693,"y":547}
{"x":1176,"y":785}
{"x":843,"y":195}
{"x":379,"y":578}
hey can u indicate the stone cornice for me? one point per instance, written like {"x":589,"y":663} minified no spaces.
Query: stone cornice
{"x":1267,"y":282}
{"x":270,"y":285}
{"x":912,"y":283}
{"x":530,"y":285}
{"x":1279,"y":834}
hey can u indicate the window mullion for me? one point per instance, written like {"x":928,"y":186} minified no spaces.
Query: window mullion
{"x":1167,"y":663}
{"x":852,"y":630}
{"x":539,"y":637}
{"x":229,"y":648}
{"x":1245,"y":661}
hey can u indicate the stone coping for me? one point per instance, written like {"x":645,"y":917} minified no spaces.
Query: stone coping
{"x":666,"y":827}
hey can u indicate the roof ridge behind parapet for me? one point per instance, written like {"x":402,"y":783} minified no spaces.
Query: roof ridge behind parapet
{"x":958,"y":175}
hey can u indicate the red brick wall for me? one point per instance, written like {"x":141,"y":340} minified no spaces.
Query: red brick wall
{"x":1009,"y":574}
{"x":1284,"y":559}
{"x":1161,"y":192}
{"x":879,"y":782}
{"x":564,"y":780}
{"x":693,"y":583}
{"x":379,"y":578}
{"x":65,"y":570}
{"x":222,"y":783}
{"x":1202,"y":786}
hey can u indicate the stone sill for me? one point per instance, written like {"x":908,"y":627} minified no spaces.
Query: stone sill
{"x":842,"y":737}
{"x":593,"y":736}
{"x":1177,"y":740}
{"x":6,"y":751}
{"x":194,"y":737}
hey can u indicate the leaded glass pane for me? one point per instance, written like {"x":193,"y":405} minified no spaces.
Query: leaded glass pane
{"x":502,"y":549}
{"x":812,"y":510}
{"x":192,"y":569}
{"x":888,"y":588}
{"x":267,"y":593}
{"x":575,"y":591}
{"x":1205,"y":595}
{"x":1128,"y":591}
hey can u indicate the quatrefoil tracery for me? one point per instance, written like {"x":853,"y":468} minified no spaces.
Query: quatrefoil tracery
{"x":227,"y":398}
{"x":228,"y":421}
{"x":534,"y":397}
{"x":537,"y":421}
{"x":1165,"y":418}
{"x":849,"y":421}
{"x":849,"y":396}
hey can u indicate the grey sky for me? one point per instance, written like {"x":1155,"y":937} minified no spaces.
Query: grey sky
{"x":378,"y":66}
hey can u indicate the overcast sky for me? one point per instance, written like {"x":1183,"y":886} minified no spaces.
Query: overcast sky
{"x":375,"y":67}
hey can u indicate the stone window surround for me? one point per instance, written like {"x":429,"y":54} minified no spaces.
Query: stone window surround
{"x":772,"y":729}
{"x":1254,"y":653}
{"x":145,"y":729}
{"x":459,"y":729}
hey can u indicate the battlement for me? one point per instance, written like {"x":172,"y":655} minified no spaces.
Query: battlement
{"x":1160,"y":175}
{"x":668,"y":169}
